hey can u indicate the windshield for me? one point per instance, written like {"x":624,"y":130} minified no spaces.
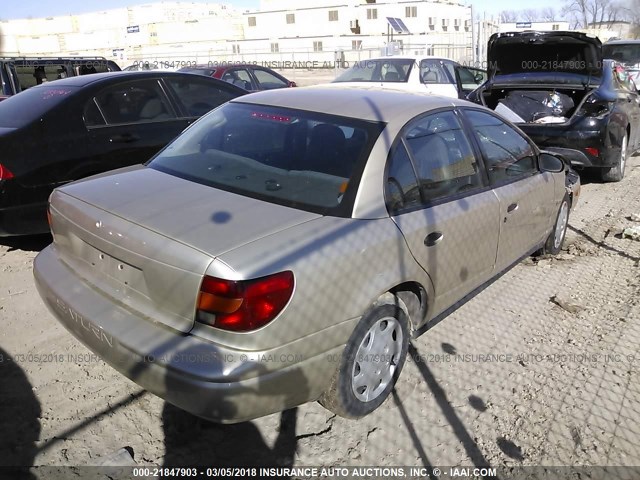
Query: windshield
{"x":300,"y":159}
{"x":31,"y":104}
{"x":628,"y":54}
{"x":381,"y":70}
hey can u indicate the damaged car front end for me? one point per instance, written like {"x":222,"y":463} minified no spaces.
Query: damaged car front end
{"x":557,"y":88}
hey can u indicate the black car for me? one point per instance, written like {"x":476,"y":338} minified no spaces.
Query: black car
{"x":72,"y":128}
{"x":558,"y":89}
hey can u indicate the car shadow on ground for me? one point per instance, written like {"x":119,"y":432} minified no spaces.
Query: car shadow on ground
{"x":19,"y":420}
{"x":28,"y":243}
{"x":193,"y":441}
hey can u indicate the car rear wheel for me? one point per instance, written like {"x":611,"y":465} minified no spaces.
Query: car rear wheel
{"x":371,"y":362}
{"x":554,"y":243}
{"x":616,"y":173}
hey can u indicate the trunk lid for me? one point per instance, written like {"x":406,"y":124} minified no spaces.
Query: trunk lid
{"x":525,"y":57}
{"x":146,"y":238}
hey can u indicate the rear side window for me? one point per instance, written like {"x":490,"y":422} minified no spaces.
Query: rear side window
{"x":199,"y":96}
{"x":19,"y":110}
{"x":443,"y":157}
{"x":301,"y":159}
{"x":508,"y":154}
{"x":134,"y":102}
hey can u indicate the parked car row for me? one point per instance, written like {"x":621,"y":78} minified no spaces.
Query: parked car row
{"x":285,"y":247}
{"x":79,"y":126}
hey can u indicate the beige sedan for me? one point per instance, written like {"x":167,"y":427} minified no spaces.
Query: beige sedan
{"x":286,"y":246}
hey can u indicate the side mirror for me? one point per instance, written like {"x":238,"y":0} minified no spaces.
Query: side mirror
{"x":551,"y":163}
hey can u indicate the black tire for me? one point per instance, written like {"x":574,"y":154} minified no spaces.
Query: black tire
{"x":345,"y":397}
{"x":616,"y":173}
{"x":554,"y":242}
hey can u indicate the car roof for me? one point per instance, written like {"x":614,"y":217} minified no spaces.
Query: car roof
{"x":83,"y":80}
{"x":621,"y":42}
{"x":408,"y":57}
{"x":368,"y":102}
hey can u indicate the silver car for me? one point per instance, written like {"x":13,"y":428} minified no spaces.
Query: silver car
{"x":287,"y":246}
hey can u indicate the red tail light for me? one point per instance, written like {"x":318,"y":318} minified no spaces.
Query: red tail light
{"x":5,"y":173}
{"x":242,"y":306}
{"x":592,"y":151}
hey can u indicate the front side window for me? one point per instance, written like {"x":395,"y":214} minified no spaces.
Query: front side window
{"x":134,"y":102}
{"x":295,"y":158}
{"x":267,"y":80}
{"x":507,"y":153}
{"x":433,"y":71}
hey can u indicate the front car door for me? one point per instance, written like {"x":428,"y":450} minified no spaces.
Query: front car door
{"x":437,"y":194}
{"x":527,"y":205}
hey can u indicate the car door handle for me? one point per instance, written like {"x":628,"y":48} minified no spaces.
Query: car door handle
{"x":124,"y":138}
{"x":512,"y":208}
{"x":433,"y":239}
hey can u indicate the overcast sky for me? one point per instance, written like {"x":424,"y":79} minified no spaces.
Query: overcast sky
{"x":47,"y":8}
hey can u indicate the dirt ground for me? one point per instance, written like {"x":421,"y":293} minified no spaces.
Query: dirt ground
{"x":510,"y":379}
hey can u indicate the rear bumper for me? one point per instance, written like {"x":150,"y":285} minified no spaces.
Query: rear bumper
{"x":24,"y":220}
{"x":572,"y":143}
{"x":209,"y":380}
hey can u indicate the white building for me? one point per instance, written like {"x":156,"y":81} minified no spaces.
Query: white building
{"x":282,"y":30}
{"x":355,"y":29}
{"x":538,"y":26}
{"x":167,"y":30}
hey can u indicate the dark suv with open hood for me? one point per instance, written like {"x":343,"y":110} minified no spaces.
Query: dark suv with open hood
{"x":558,"y":89}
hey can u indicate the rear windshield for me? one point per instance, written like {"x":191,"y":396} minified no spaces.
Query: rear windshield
{"x":199,"y":71}
{"x":381,"y":70}
{"x":628,"y":54}
{"x":31,"y":104}
{"x":300,"y":159}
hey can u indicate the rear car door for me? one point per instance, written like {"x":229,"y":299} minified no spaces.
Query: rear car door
{"x":129,"y":122}
{"x":526,"y":195}
{"x":628,"y":99}
{"x":437,"y":194}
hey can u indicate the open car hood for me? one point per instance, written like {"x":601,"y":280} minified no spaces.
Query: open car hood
{"x":515,"y":56}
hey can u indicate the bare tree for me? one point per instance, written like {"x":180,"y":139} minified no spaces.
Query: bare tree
{"x":583,"y":13}
{"x":529,"y":15}
{"x":509,"y":16}
{"x":548,"y":14}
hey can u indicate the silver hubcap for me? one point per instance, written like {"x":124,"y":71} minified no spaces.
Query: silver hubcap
{"x":377,"y":359}
{"x":623,"y":154}
{"x":561,"y":224}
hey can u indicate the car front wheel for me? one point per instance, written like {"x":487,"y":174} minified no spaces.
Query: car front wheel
{"x":371,"y":362}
